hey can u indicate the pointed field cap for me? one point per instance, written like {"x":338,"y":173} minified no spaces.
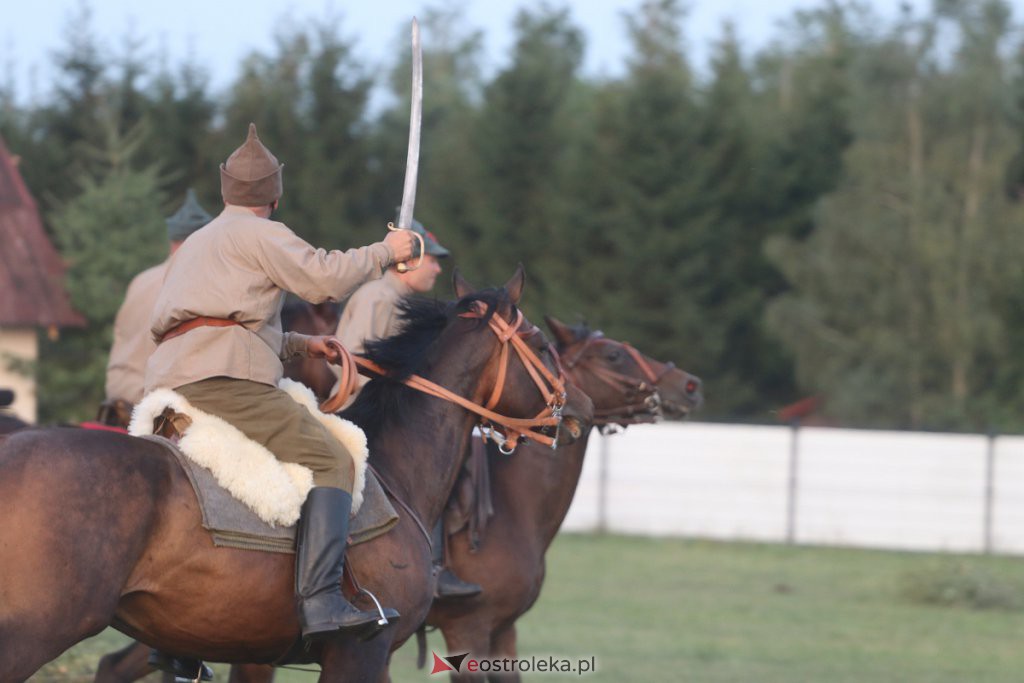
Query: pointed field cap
{"x":252,"y":175}
{"x":430,"y":242}
{"x":186,"y":220}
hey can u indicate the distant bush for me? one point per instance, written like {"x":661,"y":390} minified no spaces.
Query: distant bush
{"x":959,"y":584}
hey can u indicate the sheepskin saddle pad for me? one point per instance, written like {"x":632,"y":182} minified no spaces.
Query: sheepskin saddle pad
{"x":248,"y":498}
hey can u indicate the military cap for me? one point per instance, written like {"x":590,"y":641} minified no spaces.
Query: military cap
{"x":187,"y":219}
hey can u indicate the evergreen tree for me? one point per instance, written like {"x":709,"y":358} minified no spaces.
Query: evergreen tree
{"x":523,"y":136}
{"x":54,"y":135}
{"x":308,"y":101}
{"x":892,"y":314}
{"x":179,"y":113}
{"x":653,"y":211}
{"x":107,"y":233}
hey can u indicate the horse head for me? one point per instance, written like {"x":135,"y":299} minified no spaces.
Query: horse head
{"x":625,"y":385}
{"x":524,"y":376}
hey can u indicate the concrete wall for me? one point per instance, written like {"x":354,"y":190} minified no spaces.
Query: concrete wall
{"x":20,"y":343}
{"x":900,"y":490}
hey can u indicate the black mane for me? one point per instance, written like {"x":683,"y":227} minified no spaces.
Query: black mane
{"x":410,"y":352}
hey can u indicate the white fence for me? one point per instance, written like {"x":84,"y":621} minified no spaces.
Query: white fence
{"x":901,"y":490}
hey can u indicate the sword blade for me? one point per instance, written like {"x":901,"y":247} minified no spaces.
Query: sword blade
{"x":412,"y":161}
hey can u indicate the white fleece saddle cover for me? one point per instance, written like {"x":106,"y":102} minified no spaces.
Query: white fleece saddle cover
{"x":233,"y":525}
{"x":248,"y":498}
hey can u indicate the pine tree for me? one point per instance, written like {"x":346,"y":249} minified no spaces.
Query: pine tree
{"x":107,"y":233}
{"x":523,"y":138}
{"x":179,"y":113}
{"x":892,"y":313}
{"x":308,"y":101}
{"x":654,"y":217}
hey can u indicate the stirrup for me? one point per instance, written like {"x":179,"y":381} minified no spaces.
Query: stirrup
{"x":184,"y":669}
{"x":374,"y":621}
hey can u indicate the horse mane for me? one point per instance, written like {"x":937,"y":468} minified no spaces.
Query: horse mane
{"x":411,"y":351}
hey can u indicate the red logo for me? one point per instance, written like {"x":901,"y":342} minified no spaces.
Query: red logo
{"x":449,"y":663}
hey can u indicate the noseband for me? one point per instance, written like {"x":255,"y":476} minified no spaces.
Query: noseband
{"x":642,"y":400}
{"x":551,"y":388}
{"x":502,"y":429}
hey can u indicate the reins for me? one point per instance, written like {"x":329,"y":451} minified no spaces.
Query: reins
{"x":503,"y":429}
{"x":646,"y":409}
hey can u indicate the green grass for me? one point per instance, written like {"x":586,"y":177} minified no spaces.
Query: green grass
{"x":675,"y":610}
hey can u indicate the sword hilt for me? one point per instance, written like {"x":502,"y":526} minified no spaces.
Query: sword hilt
{"x":405,"y":267}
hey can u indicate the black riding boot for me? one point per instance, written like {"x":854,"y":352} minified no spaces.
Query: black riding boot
{"x":448,"y":584}
{"x":319,"y":558}
{"x":184,"y":668}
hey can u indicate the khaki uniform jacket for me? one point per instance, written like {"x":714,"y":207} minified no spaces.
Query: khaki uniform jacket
{"x":238,"y":267}
{"x":133,"y":342}
{"x":371,"y":313}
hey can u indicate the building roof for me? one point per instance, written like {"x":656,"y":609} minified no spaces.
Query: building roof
{"x":31,"y":271}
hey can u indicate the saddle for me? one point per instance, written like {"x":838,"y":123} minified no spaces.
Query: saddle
{"x":234,"y":525}
{"x":248,"y":498}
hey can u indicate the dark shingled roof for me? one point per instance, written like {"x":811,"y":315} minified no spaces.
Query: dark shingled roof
{"x":31,"y":271}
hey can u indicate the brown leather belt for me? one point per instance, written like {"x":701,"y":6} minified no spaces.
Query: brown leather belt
{"x":201,"y":321}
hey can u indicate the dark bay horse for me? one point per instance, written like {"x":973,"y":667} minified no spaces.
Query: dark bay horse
{"x":533,"y":488}
{"x":99,"y":529}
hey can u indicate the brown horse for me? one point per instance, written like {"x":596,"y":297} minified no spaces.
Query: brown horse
{"x":100,"y":529}
{"x":132,"y":662}
{"x":532,"y":491}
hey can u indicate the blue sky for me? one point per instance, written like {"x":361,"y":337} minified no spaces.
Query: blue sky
{"x":218,"y":33}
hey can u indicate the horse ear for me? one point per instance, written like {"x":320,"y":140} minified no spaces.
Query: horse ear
{"x":459,"y":284}
{"x":563,"y":333}
{"x":515,"y":285}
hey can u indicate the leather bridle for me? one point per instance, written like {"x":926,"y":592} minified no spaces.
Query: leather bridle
{"x":642,"y":400}
{"x":502,"y":429}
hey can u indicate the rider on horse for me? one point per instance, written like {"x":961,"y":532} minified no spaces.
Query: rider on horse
{"x":373,"y":313}
{"x":217,"y":325}
{"x":133,"y":343}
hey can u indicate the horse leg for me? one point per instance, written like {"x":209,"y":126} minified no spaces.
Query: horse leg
{"x":65,"y":552}
{"x":251,"y":673}
{"x":503,"y":645}
{"x":468,"y":635}
{"x":30,"y":636}
{"x":124,"y":666}
{"x":346,"y":660}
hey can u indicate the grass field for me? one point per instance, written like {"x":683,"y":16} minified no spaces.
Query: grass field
{"x":677,"y":610}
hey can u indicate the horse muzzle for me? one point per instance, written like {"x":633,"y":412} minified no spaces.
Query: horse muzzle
{"x":570,"y":431}
{"x":577,"y":417}
{"x":681,"y":393}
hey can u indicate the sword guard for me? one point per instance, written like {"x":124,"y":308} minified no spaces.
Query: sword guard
{"x":405,"y":267}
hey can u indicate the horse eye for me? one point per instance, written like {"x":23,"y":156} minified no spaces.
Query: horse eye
{"x":614,"y":356}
